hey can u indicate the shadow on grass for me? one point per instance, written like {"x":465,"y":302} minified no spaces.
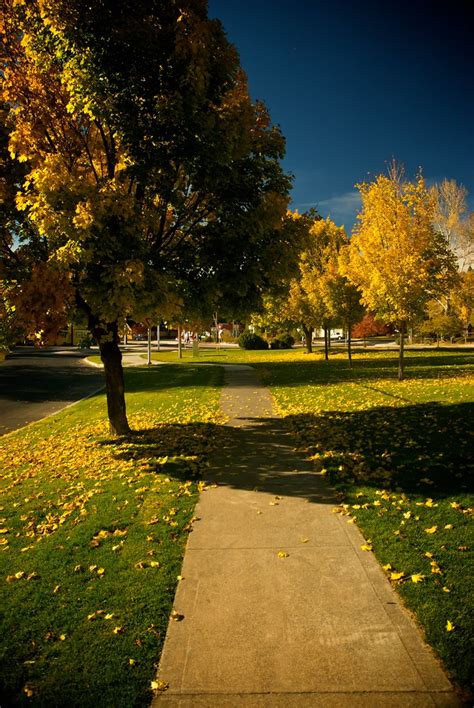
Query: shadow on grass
{"x":335,"y":371}
{"x":420,"y":449}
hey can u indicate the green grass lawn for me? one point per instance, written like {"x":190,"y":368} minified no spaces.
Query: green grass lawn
{"x":92,"y":534}
{"x":400,"y":455}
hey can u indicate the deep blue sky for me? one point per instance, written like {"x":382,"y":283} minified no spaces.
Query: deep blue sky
{"x":353,"y":84}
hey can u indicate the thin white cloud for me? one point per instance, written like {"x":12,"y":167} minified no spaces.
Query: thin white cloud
{"x":342,"y":209}
{"x":349,"y":201}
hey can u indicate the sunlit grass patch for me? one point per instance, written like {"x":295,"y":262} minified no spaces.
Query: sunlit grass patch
{"x":93,"y":533}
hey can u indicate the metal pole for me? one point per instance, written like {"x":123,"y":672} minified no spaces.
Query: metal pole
{"x":149,"y":347}
{"x":180,"y":351}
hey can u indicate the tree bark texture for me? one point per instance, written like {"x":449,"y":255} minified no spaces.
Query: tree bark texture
{"x":326,"y":344}
{"x":349,"y":346}
{"x":401,"y":361}
{"x":106,"y":335}
{"x":114,"y":385}
{"x":308,"y":336}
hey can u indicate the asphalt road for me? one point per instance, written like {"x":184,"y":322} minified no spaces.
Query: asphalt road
{"x":35,"y":384}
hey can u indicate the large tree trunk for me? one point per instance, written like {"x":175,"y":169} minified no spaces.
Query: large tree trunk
{"x":326,"y":344}
{"x":401,"y":361}
{"x":107,"y":337}
{"x":112,"y":359}
{"x":308,"y":335}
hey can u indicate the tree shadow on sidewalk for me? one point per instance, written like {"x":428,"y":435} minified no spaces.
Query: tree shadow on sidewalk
{"x":420,"y":449}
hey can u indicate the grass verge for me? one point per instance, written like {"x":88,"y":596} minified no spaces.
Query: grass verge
{"x":92,"y":534}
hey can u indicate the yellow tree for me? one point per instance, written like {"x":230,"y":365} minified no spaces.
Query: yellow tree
{"x":451,"y":219}
{"x":306,"y":303}
{"x":342,"y":298}
{"x":150,"y":172}
{"x":396,"y":257}
{"x":318,"y":269}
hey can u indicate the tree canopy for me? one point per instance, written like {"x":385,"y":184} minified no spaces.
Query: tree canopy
{"x":150,"y":172}
{"x":396,"y":256}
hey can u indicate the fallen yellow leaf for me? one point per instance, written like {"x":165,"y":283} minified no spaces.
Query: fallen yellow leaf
{"x":159,"y":685}
{"x":366,"y":547}
{"x":283,"y":554}
{"x":449,"y":626}
{"x":417,"y":578}
{"x":433,"y":529}
{"x":396,"y":576}
{"x":449,"y":526}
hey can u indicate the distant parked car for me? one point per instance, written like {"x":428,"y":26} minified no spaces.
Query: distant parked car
{"x":140,"y":338}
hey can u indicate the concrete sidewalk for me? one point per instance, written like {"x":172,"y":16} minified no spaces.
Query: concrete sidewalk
{"x":280,"y":605}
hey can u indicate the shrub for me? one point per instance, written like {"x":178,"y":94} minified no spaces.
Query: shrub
{"x":87,"y":341}
{"x":226,"y":336}
{"x":247,"y":340}
{"x":283,"y":341}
